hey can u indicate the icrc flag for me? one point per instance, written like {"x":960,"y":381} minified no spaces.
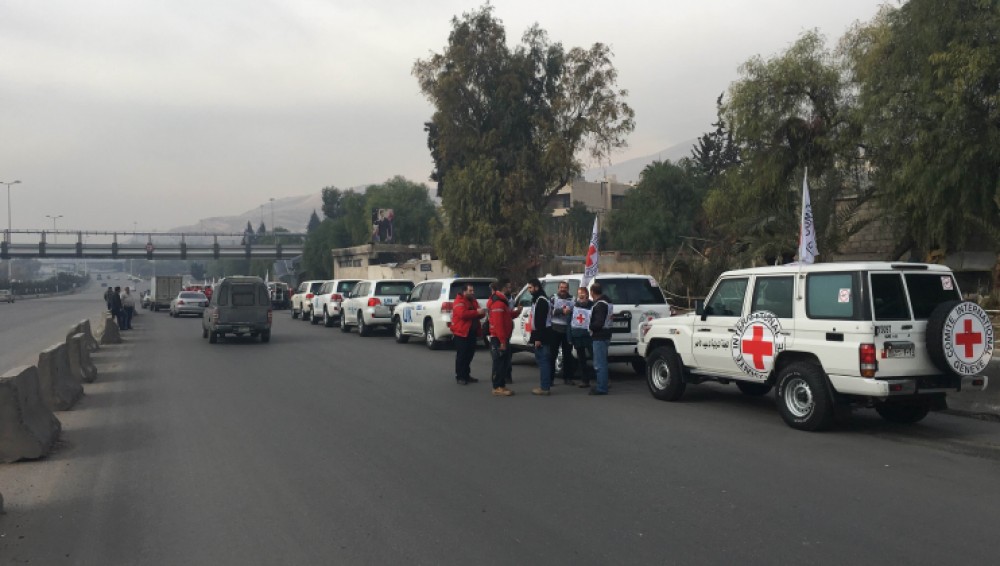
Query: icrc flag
{"x":593,"y":256}
{"x":807,"y":228}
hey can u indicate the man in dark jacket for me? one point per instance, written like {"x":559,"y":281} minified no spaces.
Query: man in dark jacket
{"x":600,"y":332}
{"x":541,"y":329}
{"x":465,"y":327}
{"x":117,"y":311}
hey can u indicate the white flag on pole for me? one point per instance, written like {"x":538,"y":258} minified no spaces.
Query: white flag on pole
{"x":807,"y":228}
{"x":593,"y":257}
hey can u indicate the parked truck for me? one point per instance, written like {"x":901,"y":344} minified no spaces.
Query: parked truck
{"x":162,"y":290}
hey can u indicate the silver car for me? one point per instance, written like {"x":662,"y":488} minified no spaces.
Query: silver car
{"x":188,"y":302}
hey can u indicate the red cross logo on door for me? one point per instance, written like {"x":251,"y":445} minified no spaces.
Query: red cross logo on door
{"x":757,"y":347}
{"x":969,"y":338}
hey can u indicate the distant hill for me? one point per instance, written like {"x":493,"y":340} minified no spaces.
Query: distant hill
{"x":291,"y":213}
{"x":631,"y":170}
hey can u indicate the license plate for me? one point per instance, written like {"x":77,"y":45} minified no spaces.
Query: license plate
{"x":243,"y":329}
{"x":621,"y":323}
{"x":899,"y":350}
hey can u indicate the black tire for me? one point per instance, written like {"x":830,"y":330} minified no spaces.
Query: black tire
{"x":313,"y":319}
{"x":804,"y":398}
{"x":213,"y":338}
{"x":664,"y":375}
{"x":363,"y":329}
{"x":294,"y":314}
{"x":398,"y":329}
{"x":902,"y":414}
{"x":753,"y":389}
{"x":204,"y":332}
{"x":639,"y":366}
{"x":327,"y":319}
{"x":265,"y":336}
{"x":343,"y":323}
{"x":430,"y":340}
{"x":303,"y":315}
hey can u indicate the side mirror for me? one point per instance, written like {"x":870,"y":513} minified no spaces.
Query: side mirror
{"x":699,"y":307}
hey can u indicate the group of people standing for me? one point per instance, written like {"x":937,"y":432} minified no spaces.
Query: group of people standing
{"x":556,"y":323}
{"x":122,"y":306}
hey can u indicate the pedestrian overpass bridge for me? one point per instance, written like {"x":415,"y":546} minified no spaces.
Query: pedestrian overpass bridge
{"x":67,"y":244}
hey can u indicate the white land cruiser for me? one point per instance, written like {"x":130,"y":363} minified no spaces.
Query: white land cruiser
{"x":893,"y":336}
{"x":326,"y":302}
{"x":370,"y":304}
{"x":302,"y":299}
{"x":427,"y":311}
{"x":634,"y":298}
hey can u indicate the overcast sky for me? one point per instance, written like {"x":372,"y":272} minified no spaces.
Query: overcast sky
{"x":161,"y":112}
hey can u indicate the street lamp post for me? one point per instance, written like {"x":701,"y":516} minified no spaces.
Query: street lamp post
{"x":272,"y":215}
{"x":10,"y":235}
{"x":55,"y":238}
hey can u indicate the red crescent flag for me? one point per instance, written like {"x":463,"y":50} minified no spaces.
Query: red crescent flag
{"x":590,"y":266}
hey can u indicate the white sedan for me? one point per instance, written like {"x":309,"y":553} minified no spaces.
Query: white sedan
{"x":188,"y":302}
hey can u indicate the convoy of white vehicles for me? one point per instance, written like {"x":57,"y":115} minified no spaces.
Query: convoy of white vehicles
{"x":892,"y":336}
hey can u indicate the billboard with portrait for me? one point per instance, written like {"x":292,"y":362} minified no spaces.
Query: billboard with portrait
{"x":382,"y":225}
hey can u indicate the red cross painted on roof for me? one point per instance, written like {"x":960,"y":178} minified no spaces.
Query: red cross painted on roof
{"x":757,"y":347}
{"x":969,"y":338}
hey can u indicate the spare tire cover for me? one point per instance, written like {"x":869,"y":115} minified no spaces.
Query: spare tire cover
{"x":960,"y":338}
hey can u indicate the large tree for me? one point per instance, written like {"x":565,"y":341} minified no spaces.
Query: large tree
{"x":786,"y":114}
{"x":664,"y":207}
{"x":929,"y":94}
{"x":507,"y":132}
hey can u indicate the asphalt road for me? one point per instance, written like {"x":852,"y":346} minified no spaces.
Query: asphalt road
{"x":28,"y":326}
{"x":326,"y":448}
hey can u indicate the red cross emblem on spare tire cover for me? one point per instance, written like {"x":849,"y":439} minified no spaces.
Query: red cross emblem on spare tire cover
{"x":960,"y":338}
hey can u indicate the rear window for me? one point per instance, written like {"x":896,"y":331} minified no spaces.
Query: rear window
{"x":482,"y":288}
{"x":315,"y":286}
{"x":193,"y":296}
{"x":243,"y":295}
{"x":889,"y":297}
{"x":928,"y":290}
{"x":393,"y":288}
{"x":345,"y":286}
{"x":632,"y":291}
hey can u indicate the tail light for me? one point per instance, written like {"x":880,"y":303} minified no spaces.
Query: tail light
{"x":868,"y":360}
{"x":447,"y":306}
{"x":374,"y":302}
{"x":270,"y":314}
{"x":180,"y":302}
{"x":309,"y":295}
{"x":336,"y":297}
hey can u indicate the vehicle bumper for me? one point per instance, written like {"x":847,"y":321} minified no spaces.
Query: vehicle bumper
{"x":885,"y":388}
{"x":190,"y":310}
{"x":237,"y":328}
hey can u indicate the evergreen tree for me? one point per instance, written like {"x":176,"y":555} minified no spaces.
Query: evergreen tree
{"x":313,"y":222}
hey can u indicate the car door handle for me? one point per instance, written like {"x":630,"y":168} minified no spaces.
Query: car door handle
{"x":704,"y":330}
{"x":733,"y":330}
{"x":907,"y":327}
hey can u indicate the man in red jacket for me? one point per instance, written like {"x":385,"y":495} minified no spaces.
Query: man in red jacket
{"x":501,"y":328}
{"x":465,"y":326}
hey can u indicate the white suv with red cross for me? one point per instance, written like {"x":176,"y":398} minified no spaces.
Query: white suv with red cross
{"x":893,"y":336}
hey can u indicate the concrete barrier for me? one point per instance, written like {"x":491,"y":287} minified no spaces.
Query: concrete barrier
{"x":59,"y":387}
{"x":111,"y":334}
{"x":80,"y":364}
{"x":28,"y":429}
{"x":84,"y":327}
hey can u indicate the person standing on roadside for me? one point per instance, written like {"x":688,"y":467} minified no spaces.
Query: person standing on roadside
{"x":465,"y":326}
{"x":128,"y":305}
{"x":562,"y":306}
{"x":600,"y":333}
{"x":541,"y":329}
{"x":117,"y":312}
{"x":501,"y":328}
{"x":579,"y":333}
{"x":107,"y":297}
